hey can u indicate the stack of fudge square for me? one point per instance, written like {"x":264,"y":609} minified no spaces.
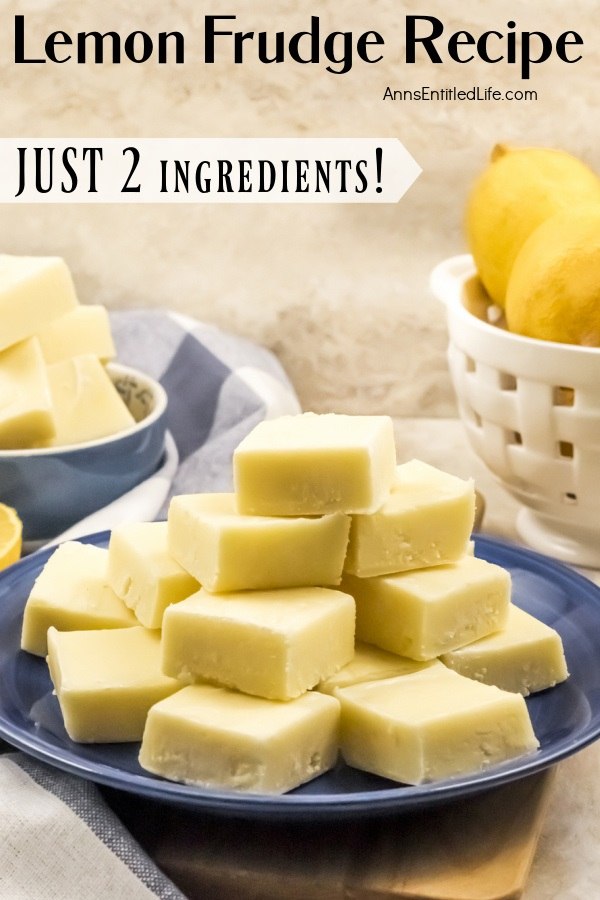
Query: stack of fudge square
{"x":54,"y":384}
{"x":332,"y":606}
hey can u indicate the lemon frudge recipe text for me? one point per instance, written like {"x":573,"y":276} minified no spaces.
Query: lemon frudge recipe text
{"x":228,"y":38}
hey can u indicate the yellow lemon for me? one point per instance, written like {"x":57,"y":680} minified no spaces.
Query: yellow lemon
{"x":11,"y":536}
{"x":520,"y":189}
{"x":554,"y":289}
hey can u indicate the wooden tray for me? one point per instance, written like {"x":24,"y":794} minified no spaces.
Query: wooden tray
{"x":479,"y":848}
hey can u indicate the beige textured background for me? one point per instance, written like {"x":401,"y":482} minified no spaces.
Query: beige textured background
{"x":339,"y":292}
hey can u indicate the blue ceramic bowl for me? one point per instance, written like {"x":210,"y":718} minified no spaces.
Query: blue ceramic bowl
{"x":54,"y":487}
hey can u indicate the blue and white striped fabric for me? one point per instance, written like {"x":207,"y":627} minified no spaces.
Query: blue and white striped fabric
{"x":59,"y":840}
{"x":219,"y":387}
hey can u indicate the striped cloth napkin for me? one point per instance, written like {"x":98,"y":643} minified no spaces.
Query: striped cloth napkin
{"x":59,"y":840}
{"x":219,"y":386}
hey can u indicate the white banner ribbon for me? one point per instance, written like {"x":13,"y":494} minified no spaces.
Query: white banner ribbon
{"x":205,"y":170}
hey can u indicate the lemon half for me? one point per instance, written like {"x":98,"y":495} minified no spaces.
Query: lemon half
{"x":11,"y":536}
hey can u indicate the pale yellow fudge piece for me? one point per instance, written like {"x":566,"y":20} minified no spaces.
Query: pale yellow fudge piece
{"x":217,"y":738}
{"x":311,"y":464}
{"x":369,"y":663}
{"x":426,"y":612}
{"x":274,"y":644}
{"x":227,"y":551}
{"x":83,"y":330}
{"x":87,"y":405}
{"x":142,"y":572}
{"x":26,"y":413}
{"x":430,"y":725}
{"x":106,"y":681}
{"x":33,"y":291}
{"x":526,"y":656}
{"x":426,"y":520}
{"x":71,"y":593}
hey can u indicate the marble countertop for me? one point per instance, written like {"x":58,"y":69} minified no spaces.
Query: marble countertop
{"x":567,"y":862}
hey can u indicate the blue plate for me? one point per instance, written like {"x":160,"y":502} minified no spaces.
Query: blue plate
{"x":565,"y":718}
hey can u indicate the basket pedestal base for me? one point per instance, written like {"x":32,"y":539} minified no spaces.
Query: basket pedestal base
{"x":562,"y":540}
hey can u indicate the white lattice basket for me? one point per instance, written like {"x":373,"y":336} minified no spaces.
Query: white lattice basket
{"x":531,"y":410}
